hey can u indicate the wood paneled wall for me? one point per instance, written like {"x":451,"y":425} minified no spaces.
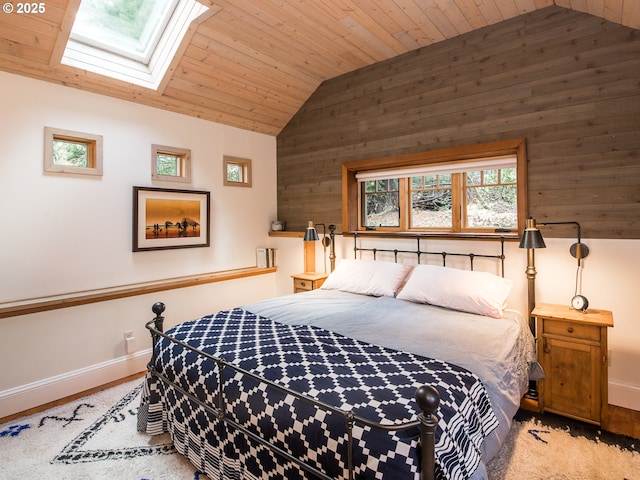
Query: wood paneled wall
{"x":566,"y":81}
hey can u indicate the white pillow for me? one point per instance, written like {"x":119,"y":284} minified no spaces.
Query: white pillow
{"x":475,"y":292}
{"x":368,"y":277}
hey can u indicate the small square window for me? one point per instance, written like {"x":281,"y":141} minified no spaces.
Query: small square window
{"x":170,"y":164}
{"x":72,"y":152}
{"x":236,"y":171}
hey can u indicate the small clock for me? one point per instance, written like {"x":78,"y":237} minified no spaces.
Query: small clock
{"x":580,"y":302}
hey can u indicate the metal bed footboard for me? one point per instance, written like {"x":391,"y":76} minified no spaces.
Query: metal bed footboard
{"x":426,"y":396}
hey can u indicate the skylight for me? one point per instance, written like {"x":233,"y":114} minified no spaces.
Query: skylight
{"x":124,"y":27}
{"x":130,"y":40}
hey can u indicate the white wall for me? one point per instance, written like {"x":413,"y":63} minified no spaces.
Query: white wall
{"x":63,"y":233}
{"x":609,"y":281}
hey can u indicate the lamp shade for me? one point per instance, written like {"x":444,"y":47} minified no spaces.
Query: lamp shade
{"x":310,"y":234}
{"x":531,"y":237}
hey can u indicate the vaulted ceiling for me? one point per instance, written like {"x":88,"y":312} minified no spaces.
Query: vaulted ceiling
{"x":253,"y":63}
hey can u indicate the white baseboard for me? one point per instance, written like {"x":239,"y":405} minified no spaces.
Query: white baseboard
{"x":624,"y":395}
{"x":38,"y":393}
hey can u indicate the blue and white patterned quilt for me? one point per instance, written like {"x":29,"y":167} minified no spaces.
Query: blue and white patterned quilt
{"x":374,"y":382}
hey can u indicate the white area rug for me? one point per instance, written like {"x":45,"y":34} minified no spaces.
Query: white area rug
{"x":555,"y":448}
{"x":96,"y":438}
{"x":92,"y":438}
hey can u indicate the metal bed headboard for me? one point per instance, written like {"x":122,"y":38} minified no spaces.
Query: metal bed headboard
{"x":419,"y":252}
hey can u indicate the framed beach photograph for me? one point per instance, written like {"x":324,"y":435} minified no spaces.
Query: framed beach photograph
{"x":165,"y":218}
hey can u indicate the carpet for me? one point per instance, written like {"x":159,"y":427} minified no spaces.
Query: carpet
{"x":95,"y":437}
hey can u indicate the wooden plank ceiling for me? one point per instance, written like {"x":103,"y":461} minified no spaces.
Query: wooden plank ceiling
{"x":253,"y":63}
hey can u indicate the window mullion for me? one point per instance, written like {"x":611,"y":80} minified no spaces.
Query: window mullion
{"x":458,"y":205}
{"x":405,"y":203}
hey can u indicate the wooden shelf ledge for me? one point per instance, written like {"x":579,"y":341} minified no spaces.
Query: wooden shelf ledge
{"x":73,"y":299}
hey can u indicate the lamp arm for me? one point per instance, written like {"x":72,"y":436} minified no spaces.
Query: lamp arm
{"x":578,"y":250}
{"x":565,"y":223}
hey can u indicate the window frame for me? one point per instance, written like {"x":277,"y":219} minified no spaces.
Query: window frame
{"x":94,"y":151}
{"x":244,"y":163}
{"x":183,"y":154}
{"x":352,"y":209}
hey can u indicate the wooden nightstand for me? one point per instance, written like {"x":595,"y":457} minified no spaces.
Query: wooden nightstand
{"x":572,"y":348}
{"x":304,"y":282}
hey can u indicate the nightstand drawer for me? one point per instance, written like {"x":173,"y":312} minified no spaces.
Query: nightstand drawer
{"x":300,"y":284}
{"x":571,"y":329}
{"x":305,"y":282}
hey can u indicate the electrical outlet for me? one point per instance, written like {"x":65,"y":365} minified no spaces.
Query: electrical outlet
{"x":128,"y":342}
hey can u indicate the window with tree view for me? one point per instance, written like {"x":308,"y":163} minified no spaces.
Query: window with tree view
{"x":72,"y":152}
{"x":491,"y":198}
{"x":431,"y":201}
{"x":478,"y":195}
{"x":170,"y":164}
{"x":381,"y":203}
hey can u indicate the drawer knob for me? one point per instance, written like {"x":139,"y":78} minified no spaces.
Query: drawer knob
{"x":570,"y":329}
{"x":303,"y":284}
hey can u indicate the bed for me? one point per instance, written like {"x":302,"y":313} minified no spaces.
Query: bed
{"x":372,"y":376}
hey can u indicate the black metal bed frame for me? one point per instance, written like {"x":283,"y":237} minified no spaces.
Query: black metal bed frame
{"x":419,"y":252}
{"x":426,"y":396}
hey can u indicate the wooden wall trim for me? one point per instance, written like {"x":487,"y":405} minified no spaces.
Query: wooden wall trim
{"x":74,"y":299}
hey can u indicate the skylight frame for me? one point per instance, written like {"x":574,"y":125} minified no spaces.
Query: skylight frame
{"x":123,"y":45}
{"x":97,"y":60}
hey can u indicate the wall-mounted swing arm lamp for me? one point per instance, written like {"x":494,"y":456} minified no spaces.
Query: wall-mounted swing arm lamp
{"x":531,"y":240}
{"x":311,"y":235}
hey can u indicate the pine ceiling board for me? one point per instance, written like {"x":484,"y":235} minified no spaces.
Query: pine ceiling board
{"x":613,"y":10}
{"x":30,"y":28}
{"x":441,"y":20}
{"x":200,"y":95}
{"x":27,"y":34}
{"x":463,"y":14}
{"x":341,"y":31}
{"x":596,"y":8}
{"x":490,"y":11}
{"x":408,"y":31}
{"x":236,"y":65}
{"x":631,"y":13}
{"x":220,"y":80}
{"x":233,"y":87}
{"x":275,"y":47}
{"x":415,"y":13}
{"x":472,"y":13}
{"x":310,"y":28}
{"x":508,"y":8}
{"x":16,"y":51}
{"x":225,"y":111}
{"x":368,"y":42}
{"x":374,"y":26}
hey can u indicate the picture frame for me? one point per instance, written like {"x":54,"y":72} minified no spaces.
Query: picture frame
{"x":167,"y":218}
